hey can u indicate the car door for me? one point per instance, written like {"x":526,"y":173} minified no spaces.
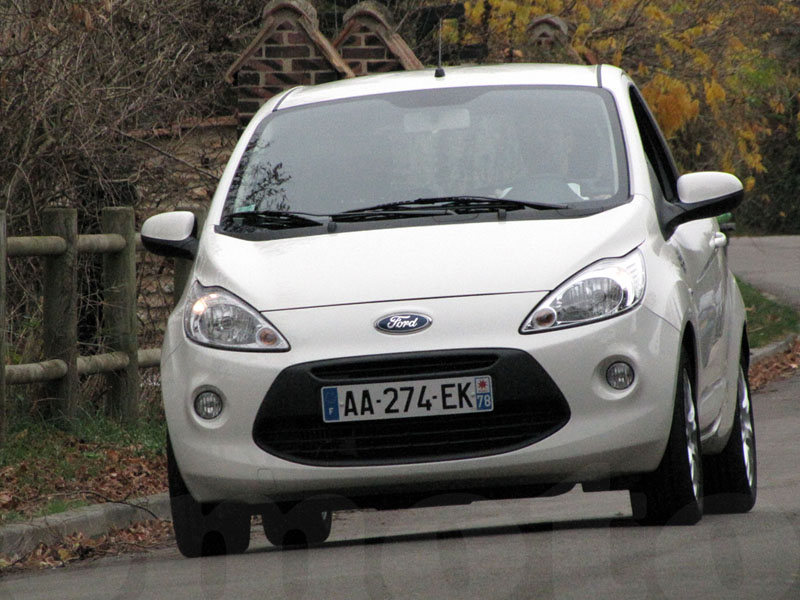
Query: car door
{"x":702,"y":247}
{"x":701,"y":250}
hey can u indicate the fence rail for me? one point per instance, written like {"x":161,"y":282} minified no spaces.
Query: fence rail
{"x":62,"y":366}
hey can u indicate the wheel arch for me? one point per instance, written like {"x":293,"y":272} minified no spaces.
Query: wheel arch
{"x":689,"y":344}
{"x":745,"y":352}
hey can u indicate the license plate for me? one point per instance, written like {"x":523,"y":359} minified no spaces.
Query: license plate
{"x":404,"y":399}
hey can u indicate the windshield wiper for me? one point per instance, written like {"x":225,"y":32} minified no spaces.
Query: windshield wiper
{"x":267,"y":219}
{"x":444,"y":205}
{"x":249,"y":221}
{"x":490,"y":203}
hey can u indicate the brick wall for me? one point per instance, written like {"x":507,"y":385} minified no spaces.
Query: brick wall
{"x":366,"y":53}
{"x":369,"y":44}
{"x":290,"y":50}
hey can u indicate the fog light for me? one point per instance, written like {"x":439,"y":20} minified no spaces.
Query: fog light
{"x":208,"y":405}
{"x":619,"y":375}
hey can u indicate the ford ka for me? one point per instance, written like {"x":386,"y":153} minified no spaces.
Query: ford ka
{"x":483,"y":283}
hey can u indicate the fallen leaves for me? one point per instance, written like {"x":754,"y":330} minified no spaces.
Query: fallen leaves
{"x":141,"y":537}
{"x":779,"y":366}
{"x":84,"y":472}
{"x":7,"y":501}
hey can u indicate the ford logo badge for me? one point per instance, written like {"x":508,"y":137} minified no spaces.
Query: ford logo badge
{"x":403,"y":323}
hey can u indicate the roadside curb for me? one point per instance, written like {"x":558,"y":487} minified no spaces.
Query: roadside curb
{"x":91,"y":521}
{"x":765,"y":352}
{"x":99,"y":519}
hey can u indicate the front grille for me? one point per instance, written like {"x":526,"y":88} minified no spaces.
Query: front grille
{"x":388,"y":367}
{"x":528,"y":407}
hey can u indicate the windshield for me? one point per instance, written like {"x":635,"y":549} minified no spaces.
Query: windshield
{"x":543,"y":145}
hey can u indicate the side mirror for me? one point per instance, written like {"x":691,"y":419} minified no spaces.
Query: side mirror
{"x":171,"y":234}
{"x":702,"y":196}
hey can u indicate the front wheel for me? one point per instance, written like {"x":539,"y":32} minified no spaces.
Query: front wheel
{"x":203,"y":529}
{"x":731,"y":477}
{"x":673,"y":493}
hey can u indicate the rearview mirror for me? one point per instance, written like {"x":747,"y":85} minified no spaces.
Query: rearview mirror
{"x":433,"y":120}
{"x":702,"y":196}
{"x":171,"y":234}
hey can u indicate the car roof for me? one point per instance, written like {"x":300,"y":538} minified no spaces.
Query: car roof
{"x":471,"y":76}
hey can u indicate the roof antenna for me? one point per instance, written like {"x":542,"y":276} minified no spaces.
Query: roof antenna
{"x":336,"y":16}
{"x":439,"y":69}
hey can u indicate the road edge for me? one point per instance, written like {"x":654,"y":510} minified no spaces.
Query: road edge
{"x":765,"y":352}
{"x":92,"y":521}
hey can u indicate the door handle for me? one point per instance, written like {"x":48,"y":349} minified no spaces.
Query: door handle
{"x":718,"y":240}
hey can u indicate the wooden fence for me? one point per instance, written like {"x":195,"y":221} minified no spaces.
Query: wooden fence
{"x":62,"y":365}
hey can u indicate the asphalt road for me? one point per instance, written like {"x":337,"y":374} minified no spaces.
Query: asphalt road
{"x":771,"y":263}
{"x":573,"y":546}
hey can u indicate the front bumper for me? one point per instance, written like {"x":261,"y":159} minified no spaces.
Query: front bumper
{"x":606,"y":433}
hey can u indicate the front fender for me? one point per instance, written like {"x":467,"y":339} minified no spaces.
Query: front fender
{"x":667,"y":294}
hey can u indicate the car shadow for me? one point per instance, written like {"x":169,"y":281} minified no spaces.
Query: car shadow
{"x":468,"y":533}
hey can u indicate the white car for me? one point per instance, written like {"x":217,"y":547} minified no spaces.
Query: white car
{"x":486,"y":284}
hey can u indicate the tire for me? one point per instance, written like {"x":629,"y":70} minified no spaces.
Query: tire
{"x":731,"y":477}
{"x":298,"y":526}
{"x":673,"y":493}
{"x":203,"y":529}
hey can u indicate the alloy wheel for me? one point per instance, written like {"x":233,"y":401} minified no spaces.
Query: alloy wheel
{"x":692,"y":436}
{"x":748,"y":433}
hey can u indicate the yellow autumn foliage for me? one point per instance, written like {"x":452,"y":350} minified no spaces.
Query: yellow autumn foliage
{"x":655,"y":14}
{"x":671,"y":101}
{"x":715,"y":95}
{"x":777,"y":106}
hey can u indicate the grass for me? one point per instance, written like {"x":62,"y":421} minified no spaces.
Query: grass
{"x":44,"y":470}
{"x":767,"y":319}
{"x":31,"y":437}
{"x":56,"y":506}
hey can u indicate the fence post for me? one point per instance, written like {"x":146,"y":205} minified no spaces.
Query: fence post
{"x":120,"y":322}
{"x":183,"y":266}
{"x":3,"y":409}
{"x":60,"y":308}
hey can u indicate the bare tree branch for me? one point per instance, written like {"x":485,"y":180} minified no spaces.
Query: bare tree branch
{"x":168,"y":155}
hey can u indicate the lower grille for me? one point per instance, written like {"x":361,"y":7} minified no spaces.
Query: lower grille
{"x":528,"y":408}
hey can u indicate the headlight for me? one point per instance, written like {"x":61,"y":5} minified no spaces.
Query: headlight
{"x":605,"y":289}
{"x":215,"y":317}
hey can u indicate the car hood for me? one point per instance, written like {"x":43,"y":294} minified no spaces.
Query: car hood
{"x":406,"y":263}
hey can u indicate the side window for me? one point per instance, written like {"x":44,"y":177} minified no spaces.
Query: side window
{"x":658,"y":155}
